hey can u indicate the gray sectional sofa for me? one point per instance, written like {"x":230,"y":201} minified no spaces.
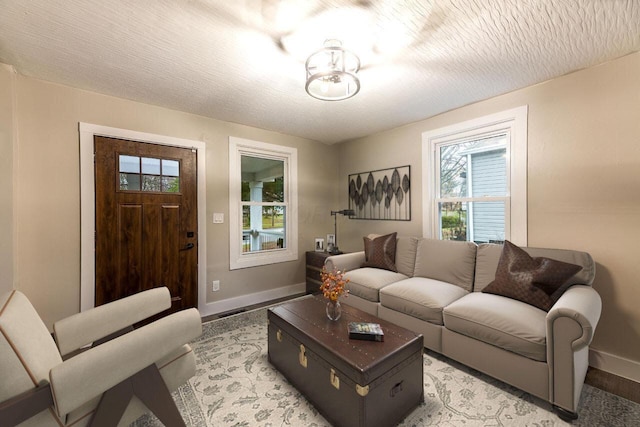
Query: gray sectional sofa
{"x":436,"y":291}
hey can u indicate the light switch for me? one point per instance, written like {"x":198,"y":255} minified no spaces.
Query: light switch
{"x":218,"y":218}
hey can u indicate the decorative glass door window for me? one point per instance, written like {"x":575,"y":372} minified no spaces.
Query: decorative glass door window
{"x":148,"y":174}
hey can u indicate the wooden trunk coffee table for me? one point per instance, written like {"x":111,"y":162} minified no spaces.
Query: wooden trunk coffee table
{"x":350,"y":382}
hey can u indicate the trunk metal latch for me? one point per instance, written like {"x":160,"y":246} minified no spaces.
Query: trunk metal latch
{"x":335,"y":380}
{"x":302,"y":357}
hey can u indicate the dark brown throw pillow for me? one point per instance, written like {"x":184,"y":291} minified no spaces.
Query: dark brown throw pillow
{"x":381,"y":252}
{"x":536,"y":281}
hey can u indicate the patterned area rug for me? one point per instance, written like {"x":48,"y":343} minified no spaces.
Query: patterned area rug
{"x":236,"y":386}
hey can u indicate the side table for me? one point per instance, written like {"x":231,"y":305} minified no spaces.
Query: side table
{"x":314,"y":263}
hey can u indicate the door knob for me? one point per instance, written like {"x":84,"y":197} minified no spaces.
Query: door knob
{"x":187,"y":247}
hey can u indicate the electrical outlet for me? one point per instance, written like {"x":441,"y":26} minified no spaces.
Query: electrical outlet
{"x":215,"y":286}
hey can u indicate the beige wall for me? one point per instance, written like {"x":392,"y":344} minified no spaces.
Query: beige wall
{"x":7,"y":77}
{"x":46,"y":183}
{"x":583,"y":180}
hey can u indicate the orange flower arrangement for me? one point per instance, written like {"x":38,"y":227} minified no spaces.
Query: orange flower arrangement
{"x":333,"y":284}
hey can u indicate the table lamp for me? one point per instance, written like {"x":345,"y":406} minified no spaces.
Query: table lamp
{"x":346,"y":212}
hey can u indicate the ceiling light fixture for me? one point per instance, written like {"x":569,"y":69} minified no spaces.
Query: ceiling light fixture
{"x":331,"y":72}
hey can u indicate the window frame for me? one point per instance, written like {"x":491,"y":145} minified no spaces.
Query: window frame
{"x":289,"y":155}
{"x":513,"y":122}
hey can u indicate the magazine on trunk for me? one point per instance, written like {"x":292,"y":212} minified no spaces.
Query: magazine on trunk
{"x":365,"y":331}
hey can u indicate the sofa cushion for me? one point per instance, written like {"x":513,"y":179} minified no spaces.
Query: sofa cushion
{"x":488,"y":257}
{"x":380,"y":252}
{"x":446,"y":260}
{"x":420,"y":297}
{"x":537,"y":281}
{"x":406,"y":248}
{"x":365,"y":282}
{"x":506,"y":323}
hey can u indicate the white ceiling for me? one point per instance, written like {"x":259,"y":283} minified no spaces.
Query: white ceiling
{"x":242,"y":61}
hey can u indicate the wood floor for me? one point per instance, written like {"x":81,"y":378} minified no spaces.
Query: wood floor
{"x":603,"y":380}
{"x":614,"y":384}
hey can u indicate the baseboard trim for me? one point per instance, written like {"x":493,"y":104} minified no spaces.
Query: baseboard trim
{"x":616,"y":365}
{"x":235,"y":303}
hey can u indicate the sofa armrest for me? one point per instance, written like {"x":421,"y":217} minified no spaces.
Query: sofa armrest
{"x":570,"y":325}
{"x":89,"y":374}
{"x":91,"y":325}
{"x":583,"y":305}
{"x":345,"y":262}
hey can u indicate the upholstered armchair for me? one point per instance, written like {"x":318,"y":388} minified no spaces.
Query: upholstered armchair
{"x":99,"y":370}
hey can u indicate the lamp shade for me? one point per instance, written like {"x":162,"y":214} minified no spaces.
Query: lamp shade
{"x":331,"y":73}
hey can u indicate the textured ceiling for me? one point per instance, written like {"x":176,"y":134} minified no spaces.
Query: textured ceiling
{"x":242,"y":61}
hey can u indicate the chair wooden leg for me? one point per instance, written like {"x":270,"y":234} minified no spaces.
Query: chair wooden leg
{"x":148,"y":386}
{"x":112,"y":405}
{"x":24,"y":406}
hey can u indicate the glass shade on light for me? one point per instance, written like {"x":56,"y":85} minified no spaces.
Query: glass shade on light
{"x":331,"y":73}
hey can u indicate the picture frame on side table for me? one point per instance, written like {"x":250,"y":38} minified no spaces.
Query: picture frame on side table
{"x":319,"y":245}
{"x":331,"y":242}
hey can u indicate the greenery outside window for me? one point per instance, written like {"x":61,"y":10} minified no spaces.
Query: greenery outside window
{"x":262,"y":203}
{"x":475,"y":181}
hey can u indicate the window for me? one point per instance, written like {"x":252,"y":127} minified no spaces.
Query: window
{"x":149,"y":174}
{"x":262,"y":203}
{"x":475,"y":180}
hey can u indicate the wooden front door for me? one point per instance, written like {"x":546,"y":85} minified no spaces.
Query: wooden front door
{"x":146,"y":220}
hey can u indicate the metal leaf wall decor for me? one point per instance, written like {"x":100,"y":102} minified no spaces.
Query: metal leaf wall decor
{"x":382,"y":194}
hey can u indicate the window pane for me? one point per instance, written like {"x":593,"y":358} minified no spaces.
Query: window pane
{"x":453,"y":220}
{"x":481,"y":222}
{"x":129,"y":164}
{"x":262,"y":179}
{"x":453,"y":172}
{"x":166,"y":180}
{"x":272,"y":217}
{"x":489,"y":173}
{"x":487,"y":222}
{"x":263,"y":228}
{"x":246,"y":217}
{"x":474,"y":168}
{"x":130,"y":181}
{"x":151,"y":166}
{"x":170,"y":184}
{"x":151,"y":183}
{"x":273,"y":191}
{"x":170,"y":168}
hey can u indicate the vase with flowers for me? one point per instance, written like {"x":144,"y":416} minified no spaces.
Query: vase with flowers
{"x":333,"y":287}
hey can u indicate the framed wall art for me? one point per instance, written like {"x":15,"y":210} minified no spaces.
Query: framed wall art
{"x":383,"y":194}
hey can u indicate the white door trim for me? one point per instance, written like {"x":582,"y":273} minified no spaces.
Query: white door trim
{"x":88,"y":205}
